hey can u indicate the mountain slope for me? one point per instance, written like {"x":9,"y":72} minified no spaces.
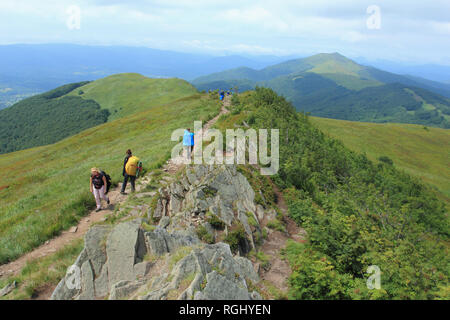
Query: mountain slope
{"x":70,"y":109}
{"x":47,"y":118}
{"x":128,"y":93}
{"x":420,"y":152}
{"x":330,"y":85}
{"x":357,"y":213}
{"x":44,"y":190}
{"x":34,"y":68}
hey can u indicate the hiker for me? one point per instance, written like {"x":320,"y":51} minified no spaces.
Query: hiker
{"x":128,"y":174}
{"x":98,"y":186}
{"x":192,"y":142}
{"x":188,"y":142}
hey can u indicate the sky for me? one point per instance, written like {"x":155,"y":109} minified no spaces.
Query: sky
{"x":409,"y":31}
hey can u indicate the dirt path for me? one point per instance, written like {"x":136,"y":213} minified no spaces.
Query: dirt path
{"x":279,"y":271}
{"x":66,"y":237}
{"x":173,"y":165}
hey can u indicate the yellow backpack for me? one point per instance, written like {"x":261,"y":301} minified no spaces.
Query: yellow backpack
{"x":132,"y":166}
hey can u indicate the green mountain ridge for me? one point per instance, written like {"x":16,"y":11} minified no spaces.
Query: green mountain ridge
{"x":52,"y":116}
{"x":356,"y":212}
{"x":333,"y":86}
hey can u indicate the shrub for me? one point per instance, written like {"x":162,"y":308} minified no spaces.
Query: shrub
{"x":276,"y":225}
{"x":204,"y":235}
{"x":236,"y":238}
{"x":215,"y":221}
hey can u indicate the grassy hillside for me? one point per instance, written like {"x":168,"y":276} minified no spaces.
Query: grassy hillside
{"x":123,"y":94}
{"x":72,"y":108}
{"x":45,"y":189}
{"x":333,"y":86}
{"x":422,"y":152}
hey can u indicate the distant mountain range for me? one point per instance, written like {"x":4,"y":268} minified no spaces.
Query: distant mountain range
{"x":29,"y":69}
{"x":333,"y":86}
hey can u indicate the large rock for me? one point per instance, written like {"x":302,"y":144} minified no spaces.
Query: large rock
{"x":124,"y":261}
{"x":161,"y":242}
{"x":124,"y":289}
{"x":70,"y":285}
{"x":219,"y":287}
{"x":125,"y":247}
{"x":199,"y":266}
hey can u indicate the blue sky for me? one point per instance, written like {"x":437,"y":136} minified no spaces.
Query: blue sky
{"x":408,"y":31}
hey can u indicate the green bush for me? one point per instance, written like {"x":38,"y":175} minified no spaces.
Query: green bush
{"x":236,"y":238}
{"x":215,"y":221}
{"x":356,"y":213}
{"x":204,"y":235}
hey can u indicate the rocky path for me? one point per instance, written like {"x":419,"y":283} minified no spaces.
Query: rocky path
{"x":275,"y":276}
{"x":174,"y":165}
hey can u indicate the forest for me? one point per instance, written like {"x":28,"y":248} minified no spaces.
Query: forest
{"x":46,"y":118}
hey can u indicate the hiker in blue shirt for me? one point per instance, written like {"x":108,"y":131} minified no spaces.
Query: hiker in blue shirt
{"x":192,"y":142}
{"x":188,"y":142}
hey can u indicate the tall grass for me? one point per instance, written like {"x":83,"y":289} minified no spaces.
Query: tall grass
{"x":421,"y":152}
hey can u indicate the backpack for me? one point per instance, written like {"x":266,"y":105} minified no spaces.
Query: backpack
{"x":139,"y":169}
{"x":132,"y":166}
{"x":108,"y":180}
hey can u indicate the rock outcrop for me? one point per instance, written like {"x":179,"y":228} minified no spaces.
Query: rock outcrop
{"x":129,"y":260}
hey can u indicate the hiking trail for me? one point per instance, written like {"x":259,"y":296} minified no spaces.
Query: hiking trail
{"x":76,"y":232}
{"x":274,"y":276}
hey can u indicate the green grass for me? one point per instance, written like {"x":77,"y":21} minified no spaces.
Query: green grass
{"x":40,"y":273}
{"x":123,"y":94}
{"x":421,"y":152}
{"x":46,"y":189}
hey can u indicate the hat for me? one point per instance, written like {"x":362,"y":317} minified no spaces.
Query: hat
{"x":95,"y":170}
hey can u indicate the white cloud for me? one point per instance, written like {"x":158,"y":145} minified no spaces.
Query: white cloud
{"x":413,"y":29}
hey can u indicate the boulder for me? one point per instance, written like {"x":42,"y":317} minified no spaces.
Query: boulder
{"x":125,"y":247}
{"x":219,"y":287}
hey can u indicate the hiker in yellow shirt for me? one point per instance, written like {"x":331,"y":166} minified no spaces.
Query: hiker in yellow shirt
{"x":129,"y":171}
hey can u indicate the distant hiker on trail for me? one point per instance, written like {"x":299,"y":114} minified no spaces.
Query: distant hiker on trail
{"x":130,"y":168}
{"x":98,"y":185}
{"x":188,"y":142}
{"x":222,"y":95}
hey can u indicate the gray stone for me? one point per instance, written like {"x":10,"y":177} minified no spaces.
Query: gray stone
{"x":164,"y":222}
{"x":95,"y":246}
{"x":142,"y":269}
{"x":124,"y":289}
{"x":145,"y":195}
{"x":260,"y":212}
{"x":101,"y":284}
{"x":8,"y":289}
{"x":161,"y":242}
{"x":62,"y":291}
{"x":255,"y":296}
{"x":125,"y":247}
{"x":87,"y":282}
{"x":219,"y":287}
